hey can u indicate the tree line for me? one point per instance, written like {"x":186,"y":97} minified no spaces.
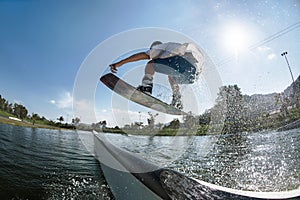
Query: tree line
{"x":15,"y":109}
{"x":20,"y":111}
{"x":233,"y":112}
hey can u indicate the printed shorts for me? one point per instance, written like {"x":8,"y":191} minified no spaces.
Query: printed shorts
{"x":181,"y":70}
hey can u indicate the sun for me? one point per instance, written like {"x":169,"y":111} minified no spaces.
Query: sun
{"x":236,"y":38}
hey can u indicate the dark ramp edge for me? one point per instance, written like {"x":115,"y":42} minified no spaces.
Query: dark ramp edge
{"x":131,"y":162}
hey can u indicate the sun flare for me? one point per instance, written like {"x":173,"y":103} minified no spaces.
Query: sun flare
{"x":236,"y":38}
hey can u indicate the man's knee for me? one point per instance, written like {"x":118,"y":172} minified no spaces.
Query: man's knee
{"x":150,"y":68}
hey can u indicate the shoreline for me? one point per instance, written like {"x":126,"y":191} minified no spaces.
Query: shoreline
{"x":292,"y":125}
{"x":13,"y":122}
{"x":17,"y":122}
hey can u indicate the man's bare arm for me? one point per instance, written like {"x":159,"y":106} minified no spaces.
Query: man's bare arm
{"x":133,"y":58}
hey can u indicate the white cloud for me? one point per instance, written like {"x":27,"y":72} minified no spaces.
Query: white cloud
{"x":266,"y":52}
{"x":64,"y":104}
{"x":105,"y":115}
{"x":84,"y":109}
{"x":271,"y":56}
{"x":263,"y":48}
{"x":64,"y":101}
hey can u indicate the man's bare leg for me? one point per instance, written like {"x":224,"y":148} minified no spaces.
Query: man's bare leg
{"x":147,"y":82}
{"x":149,"y":73}
{"x":176,"y":100}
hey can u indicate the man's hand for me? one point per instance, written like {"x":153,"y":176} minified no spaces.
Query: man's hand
{"x":113,"y":68}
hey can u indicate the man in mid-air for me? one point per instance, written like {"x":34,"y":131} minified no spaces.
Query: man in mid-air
{"x":181,"y":62}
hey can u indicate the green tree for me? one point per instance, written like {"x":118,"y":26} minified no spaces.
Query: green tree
{"x":284,"y":107}
{"x":103,"y":123}
{"x":278,"y":99}
{"x":174,"y":124}
{"x":5,"y":105}
{"x":190,"y":121}
{"x":230,"y":107}
{"x":35,"y":117}
{"x":2,"y":102}
{"x":205,"y":118}
{"x":9,"y":108}
{"x":76,"y":121}
{"x":151,"y":119}
{"x":60,"y":119}
{"x":20,"y":111}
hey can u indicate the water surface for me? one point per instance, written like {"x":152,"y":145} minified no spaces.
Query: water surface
{"x":264,"y":161}
{"x":51,"y":164}
{"x":47,"y":164}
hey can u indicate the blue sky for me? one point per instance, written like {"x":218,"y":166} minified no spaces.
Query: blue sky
{"x":44,"y":43}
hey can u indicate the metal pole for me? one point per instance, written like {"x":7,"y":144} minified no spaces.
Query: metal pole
{"x":284,"y":54}
{"x":294,"y":85}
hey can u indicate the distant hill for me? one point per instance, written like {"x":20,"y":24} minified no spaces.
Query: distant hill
{"x":290,"y":89}
{"x":258,"y":104}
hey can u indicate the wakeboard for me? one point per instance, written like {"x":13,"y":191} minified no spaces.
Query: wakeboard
{"x":131,"y":93}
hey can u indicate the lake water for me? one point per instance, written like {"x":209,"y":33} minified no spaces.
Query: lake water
{"x":51,"y":164}
{"x":47,"y":164}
